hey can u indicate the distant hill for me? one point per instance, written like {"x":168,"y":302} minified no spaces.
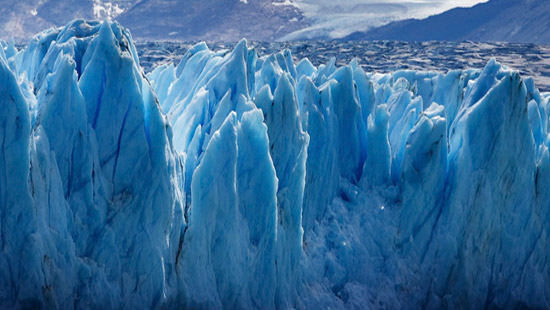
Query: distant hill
{"x":522,"y":21}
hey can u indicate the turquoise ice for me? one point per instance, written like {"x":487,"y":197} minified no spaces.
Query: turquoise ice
{"x":235,"y":180}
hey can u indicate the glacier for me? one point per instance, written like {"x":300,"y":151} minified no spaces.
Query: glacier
{"x":236,"y":180}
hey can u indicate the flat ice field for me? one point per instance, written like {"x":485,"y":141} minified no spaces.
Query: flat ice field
{"x":243,"y":181}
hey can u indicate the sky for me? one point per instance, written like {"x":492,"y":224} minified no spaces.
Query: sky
{"x":338,"y":18}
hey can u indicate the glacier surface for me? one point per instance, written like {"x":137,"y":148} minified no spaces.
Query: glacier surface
{"x":235,"y":180}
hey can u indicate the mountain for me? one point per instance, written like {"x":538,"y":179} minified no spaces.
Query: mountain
{"x":522,"y":21}
{"x":182,"y":20}
{"x":213,"y":20}
{"x":243,"y":181}
{"x":330,"y":20}
{"x":26,"y":18}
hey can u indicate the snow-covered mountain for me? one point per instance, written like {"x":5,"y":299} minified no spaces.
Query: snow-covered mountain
{"x":269,"y":20}
{"x":214,"y":20}
{"x":235,"y":180}
{"x":334,"y":19}
{"x":218,"y":20}
{"x":524,"y":21}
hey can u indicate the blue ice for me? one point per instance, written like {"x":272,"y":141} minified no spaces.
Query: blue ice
{"x":236,"y":180}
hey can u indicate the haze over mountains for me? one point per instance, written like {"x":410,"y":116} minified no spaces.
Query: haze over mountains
{"x":270,"y":20}
{"x":521,"y":21}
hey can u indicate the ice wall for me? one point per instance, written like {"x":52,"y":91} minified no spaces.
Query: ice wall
{"x":90,"y":175}
{"x":235,"y":180}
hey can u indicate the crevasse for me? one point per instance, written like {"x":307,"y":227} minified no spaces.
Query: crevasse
{"x":234,"y":180}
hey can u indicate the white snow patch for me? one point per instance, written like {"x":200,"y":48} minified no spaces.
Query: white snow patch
{"x":106,"y":10}
{"x":287,"y":2}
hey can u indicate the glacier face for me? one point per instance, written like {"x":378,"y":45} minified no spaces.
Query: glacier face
{"x":234,"y":180}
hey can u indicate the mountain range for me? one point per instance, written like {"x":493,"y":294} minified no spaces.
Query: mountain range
{"x":523,"y":21}
{"x":216,"y":20}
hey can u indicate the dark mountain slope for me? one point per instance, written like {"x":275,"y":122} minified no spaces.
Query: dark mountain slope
{"x":526,"y":21}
